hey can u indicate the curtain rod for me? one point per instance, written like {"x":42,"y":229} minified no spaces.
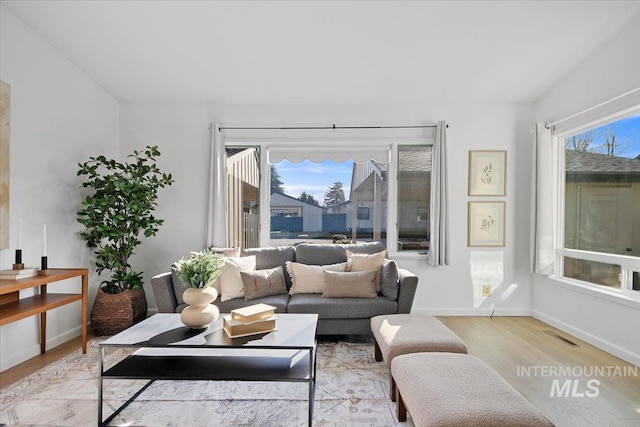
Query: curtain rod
{"x":327,"y":127}
{"x":548,"y":125}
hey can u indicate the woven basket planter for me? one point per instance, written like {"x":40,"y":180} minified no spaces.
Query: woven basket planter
{"x":113,"y":313}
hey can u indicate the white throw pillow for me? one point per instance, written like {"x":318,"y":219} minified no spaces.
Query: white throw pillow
{"x":230,"y":280}
{"x":309,"y":279}
{"x":229,"y":253}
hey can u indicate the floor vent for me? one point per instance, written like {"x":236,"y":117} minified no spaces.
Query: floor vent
{"x":561,"y":338}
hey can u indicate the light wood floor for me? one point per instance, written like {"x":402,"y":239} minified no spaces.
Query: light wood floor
{"x":20,"y":371}
{"x":509,"y":345}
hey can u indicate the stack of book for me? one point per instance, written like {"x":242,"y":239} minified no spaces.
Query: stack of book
{"x":18,"y":274}
{"x":251,"y":320}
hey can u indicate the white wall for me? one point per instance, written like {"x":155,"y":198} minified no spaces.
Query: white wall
{"x":59,"y":117}
{"x":181,"y":131}
{"x":607,"y":323}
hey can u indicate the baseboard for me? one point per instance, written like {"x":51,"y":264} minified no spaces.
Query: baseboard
{"x":472,"y":311}
{"x":594,"y":340}
{"x":34,"y":350}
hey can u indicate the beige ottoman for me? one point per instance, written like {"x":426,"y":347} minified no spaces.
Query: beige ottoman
{"x":440,"y":389}
{"x":398,"y":334}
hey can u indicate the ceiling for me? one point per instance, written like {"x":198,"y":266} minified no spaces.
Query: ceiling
{"x":332,"y":52}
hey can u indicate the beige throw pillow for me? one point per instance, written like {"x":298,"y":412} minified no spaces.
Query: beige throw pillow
{"x":309,"y":279}
{"x":364,"y":262}
{"x":230,"y":280}
{"x":359,"y":284}
{"x":262,"y":283}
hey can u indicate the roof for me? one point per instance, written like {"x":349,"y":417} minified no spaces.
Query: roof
{"x":298,"y":201}
{"x":589,"y":166}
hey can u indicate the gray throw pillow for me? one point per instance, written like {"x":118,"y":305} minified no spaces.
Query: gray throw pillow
{"x":178,"y":286}
{"x":390,"y":279}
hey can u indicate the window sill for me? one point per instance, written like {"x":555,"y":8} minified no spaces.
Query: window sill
{"x":595,"y":291}
{"x":410,"y":256}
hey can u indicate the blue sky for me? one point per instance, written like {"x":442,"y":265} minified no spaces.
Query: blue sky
{"x":314,"y":178}
{"x":627,"y":137}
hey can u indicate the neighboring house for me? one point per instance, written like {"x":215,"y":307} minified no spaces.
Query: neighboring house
{"x":369,"y":195}
{"x":291,"y":214}
{"x":601,"y":192}
{"x":243,"y":197}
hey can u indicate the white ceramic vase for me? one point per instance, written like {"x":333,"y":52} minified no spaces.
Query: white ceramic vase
{"x":199,"y":313}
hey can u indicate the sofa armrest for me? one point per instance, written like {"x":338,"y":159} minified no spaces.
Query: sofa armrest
{"x":163,"y":292}
{"x":408,"y":285}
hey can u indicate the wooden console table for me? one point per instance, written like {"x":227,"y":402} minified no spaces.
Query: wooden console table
{"x":13,"y":308}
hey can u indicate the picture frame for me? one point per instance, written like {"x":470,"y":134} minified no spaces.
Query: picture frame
{"x":487,"y":172}
{"x":486,"y":224}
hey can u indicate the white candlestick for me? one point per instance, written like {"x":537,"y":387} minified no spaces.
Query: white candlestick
{"x":44,"y":240}
{"x":19,"y":233}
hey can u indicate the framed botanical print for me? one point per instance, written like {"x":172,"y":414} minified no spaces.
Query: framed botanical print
{"x":487,"y":173}
{"x":486,"y":224}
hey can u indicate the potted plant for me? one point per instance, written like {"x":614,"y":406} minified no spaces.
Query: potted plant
{"x":117,"y":210}
{"x":340,"y":239}
{"x":198,"y":273}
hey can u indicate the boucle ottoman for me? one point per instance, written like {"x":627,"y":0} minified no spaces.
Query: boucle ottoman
{"x":397,"y":334}
{"x":441,"y":389}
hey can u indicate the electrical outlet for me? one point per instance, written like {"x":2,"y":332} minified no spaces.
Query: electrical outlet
{"x":486,"y":290}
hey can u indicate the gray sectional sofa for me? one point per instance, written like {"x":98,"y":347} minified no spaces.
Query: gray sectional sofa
{"x":337,"y":316}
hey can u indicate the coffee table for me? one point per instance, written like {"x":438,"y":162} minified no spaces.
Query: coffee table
{"x":287,"y":354}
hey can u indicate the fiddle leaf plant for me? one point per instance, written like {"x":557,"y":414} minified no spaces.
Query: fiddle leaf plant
{"x":118,"y":209}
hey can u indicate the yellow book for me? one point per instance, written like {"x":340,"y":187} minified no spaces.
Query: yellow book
{"x":252,"y":313}
{"x":235,"y":328}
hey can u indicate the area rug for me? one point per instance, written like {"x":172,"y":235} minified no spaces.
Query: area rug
{"x":352,"y":389}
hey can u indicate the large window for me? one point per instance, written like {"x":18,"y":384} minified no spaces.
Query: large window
{"x":601,"y":241}
{"x":317,"y":199}
{"x":332,"y":201}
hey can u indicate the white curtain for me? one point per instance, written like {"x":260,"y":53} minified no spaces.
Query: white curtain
{"x":439,"y":204}
{"x":216,"y":228}
{"x":543,"y":201}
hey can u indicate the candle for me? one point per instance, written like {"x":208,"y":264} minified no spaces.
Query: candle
{"x":19,"y":232}
{"x":44,"y":240}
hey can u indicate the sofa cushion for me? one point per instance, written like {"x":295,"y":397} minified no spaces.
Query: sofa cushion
{"x":357,"y":284}
{"x":262,"y":283}
{"x":322,"y":254}
{"x":278,"y":301}
{"x":273,"y":257}
{"x":390,"y":279}
{"x":309,"y":279}
{"x":340,"y":308}
{"x":230,"y":280}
